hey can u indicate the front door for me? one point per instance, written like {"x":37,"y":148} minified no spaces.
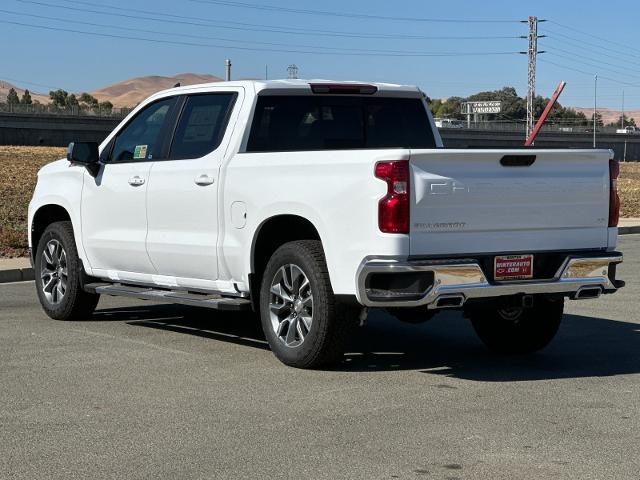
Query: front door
{"x":113,"y":210}
{"x":182,"y":201}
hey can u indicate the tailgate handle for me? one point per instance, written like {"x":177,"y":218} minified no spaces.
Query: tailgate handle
{"x":517,"y":160}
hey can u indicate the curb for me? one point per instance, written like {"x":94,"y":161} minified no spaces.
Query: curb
{"x":16,"y":275}
{"x":628,"y":230}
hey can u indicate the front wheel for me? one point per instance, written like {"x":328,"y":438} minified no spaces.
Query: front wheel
{"x":518,"y":330}
{"x":303,"y":324}
{"x":58,"y":273}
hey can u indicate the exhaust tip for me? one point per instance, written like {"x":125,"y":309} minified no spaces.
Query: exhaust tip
{"x":449,"y":301}
{"x":587,"y":292}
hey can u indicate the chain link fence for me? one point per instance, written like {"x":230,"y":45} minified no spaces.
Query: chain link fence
{"x":79,"y":111}
{"x":511,"y":126}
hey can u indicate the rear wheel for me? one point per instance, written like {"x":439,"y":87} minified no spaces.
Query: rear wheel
{"x":518,"y":330}
{"x":303,"y":324}
{"x":58,"y":272}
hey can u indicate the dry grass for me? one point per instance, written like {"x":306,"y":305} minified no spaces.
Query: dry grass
{"x":18,"y":169}
{"x":629,"y":188}
{"x":19,"y":166}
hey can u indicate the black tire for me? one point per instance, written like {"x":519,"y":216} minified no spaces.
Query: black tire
{"x":412,"y":315}
{"x":518,"y":331}
{"x":74,"y":303}
{"x":323,"y":342}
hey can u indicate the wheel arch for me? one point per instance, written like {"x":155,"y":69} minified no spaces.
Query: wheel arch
{"x":272,"y":233}
{"x":44,"y":216}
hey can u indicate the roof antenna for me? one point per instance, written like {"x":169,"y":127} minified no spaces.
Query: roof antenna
{"x":176,"y":85}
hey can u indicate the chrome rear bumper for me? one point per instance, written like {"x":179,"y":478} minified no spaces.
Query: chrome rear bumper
{"x":456,"y":281}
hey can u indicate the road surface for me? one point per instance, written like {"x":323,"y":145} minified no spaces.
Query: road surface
{"x":158,"y":391}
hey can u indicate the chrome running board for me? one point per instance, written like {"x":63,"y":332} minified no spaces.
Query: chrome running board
{"x":206,"y":300}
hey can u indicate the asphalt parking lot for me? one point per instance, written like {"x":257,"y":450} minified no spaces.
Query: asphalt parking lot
{"x":158,"y":391}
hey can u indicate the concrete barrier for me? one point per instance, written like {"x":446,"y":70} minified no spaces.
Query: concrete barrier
{"x":53,"y":130}
{"x":59,"y":130}
{"x":463,"y":138}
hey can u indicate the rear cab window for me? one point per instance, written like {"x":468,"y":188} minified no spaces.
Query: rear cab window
{"x":338,"y":122}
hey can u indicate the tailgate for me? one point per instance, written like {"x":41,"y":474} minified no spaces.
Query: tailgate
{"x":468,"y":201}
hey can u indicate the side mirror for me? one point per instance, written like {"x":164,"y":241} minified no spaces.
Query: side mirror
{"x":85,"y":153}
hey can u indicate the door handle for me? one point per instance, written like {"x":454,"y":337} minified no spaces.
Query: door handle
{"x":204,"y":179}
{"x":136,"y":181}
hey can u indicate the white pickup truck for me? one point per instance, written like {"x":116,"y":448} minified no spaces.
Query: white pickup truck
{"x":311,"y":202}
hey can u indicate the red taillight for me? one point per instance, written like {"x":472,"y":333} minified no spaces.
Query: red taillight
{"x":393,"y":209}
{"x":614,"y":199}
{"x":343,"y":88}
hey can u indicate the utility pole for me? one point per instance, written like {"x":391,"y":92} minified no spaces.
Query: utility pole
{"x":227,"y":70}
{"x":266,"y":72}
{"x":532,"y":52}
{"x":622,"y":117}
{"x":595,"y":107}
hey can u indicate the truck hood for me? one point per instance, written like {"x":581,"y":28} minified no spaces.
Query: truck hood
{"x":57,"y":166}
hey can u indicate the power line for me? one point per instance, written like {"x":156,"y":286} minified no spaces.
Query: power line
{"x":9,"y":79}
{"x":584,"y":44}
{"x":588,"y":73}
{"x":591,"y":61}
{"x":203,"y":37}
{"x":272,"y":8}
{"x":603,"y":39}
{"x":243,"y":26}
{"x":233,"y":47}
{"x":595,"y":66}
{"x":304,"y":29}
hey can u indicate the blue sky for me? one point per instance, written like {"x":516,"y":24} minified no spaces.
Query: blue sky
{"x":51,"y":58}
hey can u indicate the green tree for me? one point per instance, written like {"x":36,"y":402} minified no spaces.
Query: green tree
{"x":513,"y":107}
{"x":26,"y":98}
{"x":106,"y":106}
{"x":88,"y":100}
{"x":59,"y":97}
{"x":447,"y":108}
{"x":567,"y":116}
{"x":598,"y":119}
{"x":12,"y":97}
{"x":71,"y":101}
{"x":628,"y":122}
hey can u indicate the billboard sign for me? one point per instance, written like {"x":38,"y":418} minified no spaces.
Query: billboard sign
{"x":469,"y":108}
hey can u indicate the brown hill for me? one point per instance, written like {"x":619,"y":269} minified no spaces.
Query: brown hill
{"x":609,"y":115}
{"x":126,"y":93}
{"x":129,"y":93}
{"x":6,"y":86}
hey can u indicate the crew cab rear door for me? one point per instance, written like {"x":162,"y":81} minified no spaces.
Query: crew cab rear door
{"x":477,"y":201}
{"x":182,"y":200}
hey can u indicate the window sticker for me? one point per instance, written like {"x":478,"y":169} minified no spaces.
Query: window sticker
{"x":140,"y":152}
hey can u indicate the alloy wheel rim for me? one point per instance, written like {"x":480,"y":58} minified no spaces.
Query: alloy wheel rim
{"x":53,"y":272}
{"x":291,"y":305}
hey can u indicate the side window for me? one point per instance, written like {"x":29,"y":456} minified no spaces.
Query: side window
{"x":140,"y":139}
{"x":202,"y":125}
